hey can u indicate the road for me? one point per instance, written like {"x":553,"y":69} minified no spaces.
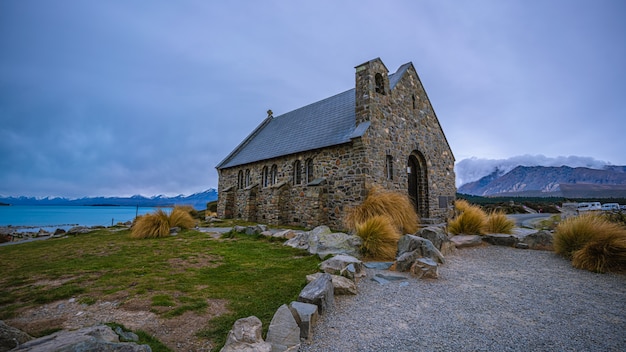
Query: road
{"x":525,"y":220}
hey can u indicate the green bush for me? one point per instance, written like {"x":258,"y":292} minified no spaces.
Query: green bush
{"x":380,"y":237}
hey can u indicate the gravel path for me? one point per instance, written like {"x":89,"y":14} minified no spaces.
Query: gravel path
{"x":486,"y":299}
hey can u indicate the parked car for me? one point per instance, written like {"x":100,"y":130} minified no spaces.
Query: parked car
{"x":588,"y":206}
{"x":610,"y":207}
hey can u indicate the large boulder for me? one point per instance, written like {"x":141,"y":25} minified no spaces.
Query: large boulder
{"x":11,"y":337}
{"x":319,"y":292}
{"x":425,"y":268}
{"x":306,"y":316}
{"x":411,"y":248}
{"x":96,"y":338}
{"x":343,"y":265}
{"x":245,"y":336}
{"x":541,"y":240}
{"x":323,"y":242}
{"x":463,"y":241}
{"x":341,"y":285}
{"x":500,"y":239}
{"x":284,"y":330}
{"x":439,"y":238}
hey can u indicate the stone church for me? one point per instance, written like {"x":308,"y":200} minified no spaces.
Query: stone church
{"x":309,"y":166}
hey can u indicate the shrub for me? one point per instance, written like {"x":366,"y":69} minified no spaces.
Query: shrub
{"x":574,"y":233}
{"x":159,"y":223}
{"x":380,"y":237}
{"x":603,"y":253}
{"x":498,"y":222}
{"x":470,"y":219}
{"x":395,"y":205}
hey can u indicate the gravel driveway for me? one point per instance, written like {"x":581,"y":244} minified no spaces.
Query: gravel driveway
{"x":486,"y":299}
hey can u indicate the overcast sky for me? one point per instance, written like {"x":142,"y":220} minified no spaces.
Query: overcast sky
{"x":147,"y":97}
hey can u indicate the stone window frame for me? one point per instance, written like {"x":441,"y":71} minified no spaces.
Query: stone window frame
{"x":273,"y":176}
{"x":246,"y":178}
{"x":240,"y":182}
{"x":309,"y":172}
{"x":297,"y":172}
{"x":389,"y":167}
{"x":265,"y":176}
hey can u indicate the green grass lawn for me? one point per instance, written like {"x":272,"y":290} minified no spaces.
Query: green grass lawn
{"x":176,"y":274}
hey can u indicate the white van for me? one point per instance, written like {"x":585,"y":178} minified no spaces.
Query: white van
{"x":610,"y":207}
{"x":588,"y":206}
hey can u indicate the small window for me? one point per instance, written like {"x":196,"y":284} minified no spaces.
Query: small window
{"x":273,"y":175}
{"x":414,"y":102}
{"x":380,"y":83}
{"x":297,"y":172}
{"x":265,"y":176}
{"x":247,"y":178}
{"x":240,"y":179}
{"x":389,"y":167}
{"x":308,"y":171}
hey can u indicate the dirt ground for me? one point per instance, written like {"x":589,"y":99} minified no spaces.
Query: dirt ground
{"x":178,"y":333}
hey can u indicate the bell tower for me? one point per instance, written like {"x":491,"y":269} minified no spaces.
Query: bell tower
{"x":371,"y":89}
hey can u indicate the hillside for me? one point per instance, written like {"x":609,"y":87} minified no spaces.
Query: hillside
{"x":542,"y":181}
{"x":197,"y":200}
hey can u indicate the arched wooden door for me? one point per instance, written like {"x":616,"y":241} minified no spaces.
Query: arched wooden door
{"x":418,"y":183}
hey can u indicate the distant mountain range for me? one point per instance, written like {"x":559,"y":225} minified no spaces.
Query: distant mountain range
{"x":549,"y":181}
{"x":196,"y":200}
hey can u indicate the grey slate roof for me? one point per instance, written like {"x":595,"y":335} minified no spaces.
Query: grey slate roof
{"x":328,"y":122}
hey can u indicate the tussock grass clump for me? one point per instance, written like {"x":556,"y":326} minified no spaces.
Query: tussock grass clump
{"x":470,"y":219}
{"x":574,"y":233}
{"x":380,"y":237}
{"x":159,"y":223}
{"x":498,"y":222}
{"x":604,"y":253}
{"x":395,"y":205}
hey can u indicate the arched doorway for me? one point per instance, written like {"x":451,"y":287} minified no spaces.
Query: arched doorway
{"x":418,"y":183}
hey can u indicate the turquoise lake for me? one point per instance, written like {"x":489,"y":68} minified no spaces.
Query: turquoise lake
{"x":64,"y":216}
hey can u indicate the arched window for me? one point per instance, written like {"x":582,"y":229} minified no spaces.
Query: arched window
{"x":265,"y":176}
{"x":297,"y":172}
{"x":240,"y":179}
{"x":308,"y":171}
{"x":273,"y":175}
{"x":247,"y":178}
{"x":389,"y":167}
{"x":380,"y":83}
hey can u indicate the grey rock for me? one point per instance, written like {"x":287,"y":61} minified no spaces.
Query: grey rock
{"x":341,"y":285}
{"x":99,"y":338}
{"x":299,"y":241}
{"x":425,"y":268}
{"x":521,"y":245}
{"x":59,"y":232}
{"x":411,"y":248}
{"x":284,"y":330}
{"x":323,"y":242}
{"x":11,"y":337}
{"x":463,"y":241}
{"x":239,"y":229}
{"x":436,"y":235}
{"x":391,"y":277}
{"x":77,"y":230}
{"x":380,"y":280}
{"x":245,"y":336}
{"x":319,"y":292}
{"x":541,"y":240}
{"x":500,"y":239}
{"x":267,"y":234}
{"x":343,"y":265}
{"x":378,"y":265}
{"x":126,"y":335}
{"x":306,"y":316}
{"x":285,"y":234}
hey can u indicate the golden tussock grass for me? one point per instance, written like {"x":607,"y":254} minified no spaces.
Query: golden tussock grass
{"x":380,"y":237}
{"x":159,"y":223}
{"x":574,"y":233}
{"x":498,"y":222}
{"x":395,"y":205}
{"x":603,"y":253}
{"x":470,"y":219}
